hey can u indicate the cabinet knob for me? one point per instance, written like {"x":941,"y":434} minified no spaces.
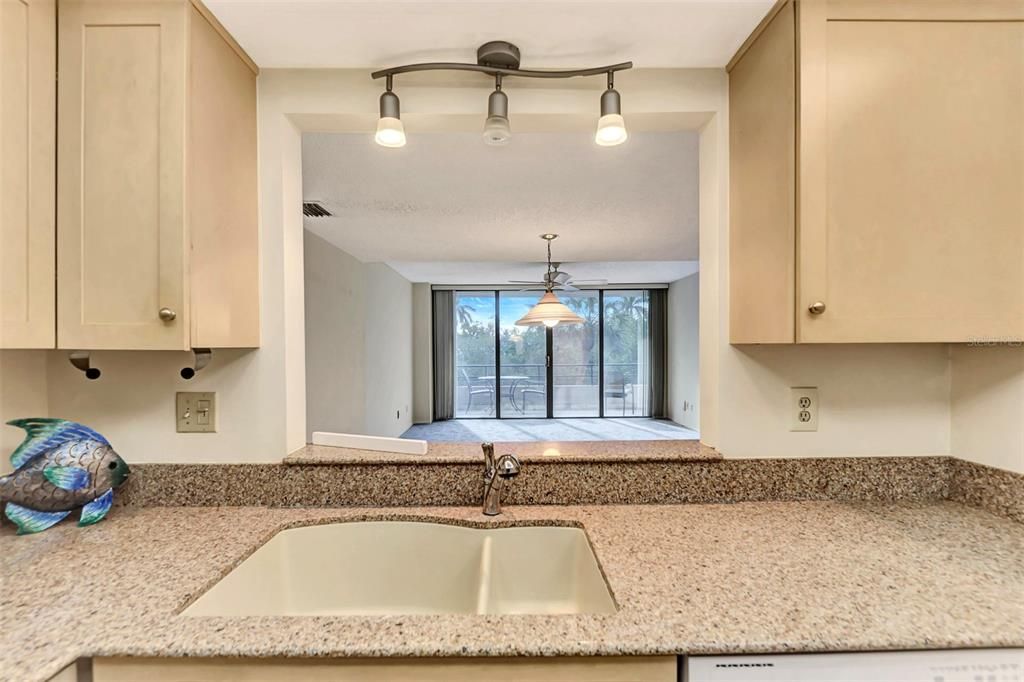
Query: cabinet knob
{"x":816,"y":308}
{"x":167,"y":315}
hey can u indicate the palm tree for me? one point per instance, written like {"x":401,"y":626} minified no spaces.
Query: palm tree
{"x":634,"y":307}
{"x":584,"y":306}
{"x":464,"y":314}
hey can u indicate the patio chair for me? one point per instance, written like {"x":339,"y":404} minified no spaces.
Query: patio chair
{"x":617,"y":385}
{"x":474,"y":390}
{"x":533,"y":388}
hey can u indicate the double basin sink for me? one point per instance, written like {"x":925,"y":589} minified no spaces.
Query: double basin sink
{"x":398,"y":567}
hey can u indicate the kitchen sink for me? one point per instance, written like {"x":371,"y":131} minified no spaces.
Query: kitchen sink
{"x":399,"y":567}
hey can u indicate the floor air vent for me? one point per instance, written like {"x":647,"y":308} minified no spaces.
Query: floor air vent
{"x":312,"y":209}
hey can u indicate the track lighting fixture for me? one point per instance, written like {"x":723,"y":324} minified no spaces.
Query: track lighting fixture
{"x":500,"y":58}
{"x":390,"y":131}
{"x":497,"y":130}
{"x":611,"y":128}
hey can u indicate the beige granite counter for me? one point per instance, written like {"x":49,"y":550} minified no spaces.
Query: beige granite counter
{"x":604,"y":451}
{"x":747,"y":577}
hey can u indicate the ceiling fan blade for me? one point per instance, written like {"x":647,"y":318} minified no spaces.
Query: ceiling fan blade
{"x":590,"y":281}
{"x":561,"y":277}
{"x":567,"y":287}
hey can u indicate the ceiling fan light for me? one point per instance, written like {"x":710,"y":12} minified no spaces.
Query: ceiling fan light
{"x":549,"y":311}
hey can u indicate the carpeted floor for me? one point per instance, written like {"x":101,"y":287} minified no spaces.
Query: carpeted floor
{"x":550,"y":429}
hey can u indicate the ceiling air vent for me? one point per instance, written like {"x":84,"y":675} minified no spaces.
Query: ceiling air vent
{"x":312,"y":209}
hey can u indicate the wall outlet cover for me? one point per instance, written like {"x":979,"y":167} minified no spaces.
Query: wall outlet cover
{"x":803,"y":408}
{"x":196,"y":412}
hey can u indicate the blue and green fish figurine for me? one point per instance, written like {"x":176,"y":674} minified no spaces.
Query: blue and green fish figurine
{"x":59,"y":467}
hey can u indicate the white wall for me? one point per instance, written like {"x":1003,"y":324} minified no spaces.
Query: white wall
{"x":359,"y":358}
{"x":388,"y":338}
{"x":423,"y":354}
{"x":132,"y":404}
{"x":875,"y":400}
{"x":335,"y":288}
{"x":22,"y":394}
{"x":987,"y":423}
{"x":684,"y":352}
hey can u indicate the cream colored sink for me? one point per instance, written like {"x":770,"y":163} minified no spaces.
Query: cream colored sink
{"x":398,"y":567}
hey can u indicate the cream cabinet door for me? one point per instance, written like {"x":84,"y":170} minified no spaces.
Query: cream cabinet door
{"x":28,"y":66}
{"x":911,"y":224}
{"x":121,"y":232}
{"x":495,"y":669}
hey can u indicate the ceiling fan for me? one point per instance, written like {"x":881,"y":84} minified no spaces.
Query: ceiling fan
{"x":555,"y":278}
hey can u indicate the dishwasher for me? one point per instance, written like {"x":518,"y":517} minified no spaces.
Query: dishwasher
{"x":960,"y":665}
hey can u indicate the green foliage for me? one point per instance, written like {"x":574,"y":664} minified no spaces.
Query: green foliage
{"x":576,"y":346}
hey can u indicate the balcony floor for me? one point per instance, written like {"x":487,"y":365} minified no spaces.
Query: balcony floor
{"x":476,"y":430}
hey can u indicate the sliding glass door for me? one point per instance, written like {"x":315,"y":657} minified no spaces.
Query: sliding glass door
{"x":523,"y":354}
{"x":626,"y":354}
{"x":601,"y":368}
{"x":576,"y":360}
{"x":475,"y":379}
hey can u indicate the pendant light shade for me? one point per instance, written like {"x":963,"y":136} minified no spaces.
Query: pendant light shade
{"x":549,"y":312}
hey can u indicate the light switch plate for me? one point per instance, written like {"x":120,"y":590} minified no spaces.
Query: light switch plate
{"x":196,"y":412}
{"x":803,"y":407}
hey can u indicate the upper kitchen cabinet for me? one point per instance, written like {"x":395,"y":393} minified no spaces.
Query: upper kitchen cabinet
{"x":877,"y":173}
{"x":157,"y":227}
{"x":28,"y":65}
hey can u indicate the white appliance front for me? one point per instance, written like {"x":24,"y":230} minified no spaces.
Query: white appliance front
{"x":960,"y":665}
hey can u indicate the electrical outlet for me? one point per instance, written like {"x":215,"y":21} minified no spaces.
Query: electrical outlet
{"x":803,"y":407}
{"x":196,"y":412}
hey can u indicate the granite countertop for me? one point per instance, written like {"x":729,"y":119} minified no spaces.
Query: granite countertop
{"x":605,"y":451}
{"x":714,"y":578}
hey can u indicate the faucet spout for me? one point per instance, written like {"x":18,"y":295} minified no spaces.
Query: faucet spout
{"x":496,"y":473}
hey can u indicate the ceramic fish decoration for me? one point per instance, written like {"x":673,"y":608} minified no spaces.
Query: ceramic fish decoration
{"x":60,"y":466}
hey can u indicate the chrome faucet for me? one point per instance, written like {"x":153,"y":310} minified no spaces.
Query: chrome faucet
{"x":496,"y":472}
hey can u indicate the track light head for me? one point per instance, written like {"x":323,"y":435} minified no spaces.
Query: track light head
{"x":390,"y":131}
{"x":497,"y":129}
{"x":611,"y":128}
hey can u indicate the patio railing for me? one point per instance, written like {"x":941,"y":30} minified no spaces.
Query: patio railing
{"x":579,"y":374}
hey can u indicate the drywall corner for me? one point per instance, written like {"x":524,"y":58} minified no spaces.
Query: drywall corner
{"x":987,"y":405}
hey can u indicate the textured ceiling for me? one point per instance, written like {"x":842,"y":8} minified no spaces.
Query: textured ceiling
{"x":448,"y":197}
{"x":552,"y":34}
